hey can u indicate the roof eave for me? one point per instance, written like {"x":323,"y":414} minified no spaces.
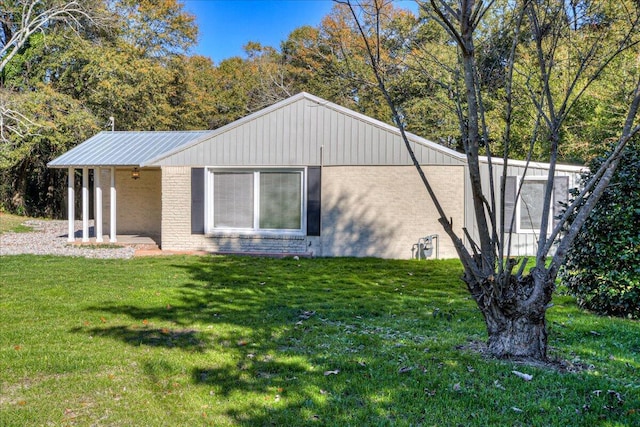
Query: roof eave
{"x":540,"y":165}
{"x":92,"y":166}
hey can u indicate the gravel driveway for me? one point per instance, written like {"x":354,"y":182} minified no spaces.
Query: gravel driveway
{"x":49,"y":237}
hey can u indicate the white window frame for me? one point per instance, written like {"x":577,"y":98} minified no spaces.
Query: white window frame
{"x":255,"y":230}
{"x":519,"y":207}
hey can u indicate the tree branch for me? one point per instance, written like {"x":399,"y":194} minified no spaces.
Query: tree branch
{"x":32,"y":22}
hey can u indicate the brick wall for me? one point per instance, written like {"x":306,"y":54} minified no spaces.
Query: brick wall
{"x":176,"y":209}
{"x":139,"y":207}
{"x":378,"y":211}
{"x":382,"y":211}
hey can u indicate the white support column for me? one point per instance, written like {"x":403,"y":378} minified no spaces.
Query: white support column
{"x":71,"y":203}
{"x":112,"y":215}
{"x":85,"y":205}
{"x":98,"y":205}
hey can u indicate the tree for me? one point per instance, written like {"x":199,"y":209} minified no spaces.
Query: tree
{"x":26,"y":184}
{"x":331,"y":61}
{"x":19,"y":22}
{"x":193,"y":92}
{"x":74,"y":64}
{"x":22,"y":19}
{"x":546,"y":42}
{"x":603,"y":266}
{"x":157,"y":29}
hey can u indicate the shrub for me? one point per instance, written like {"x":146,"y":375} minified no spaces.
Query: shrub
{"x":603,"y":267}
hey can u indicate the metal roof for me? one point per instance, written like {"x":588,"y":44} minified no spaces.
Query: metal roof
{"x":124,"y":148}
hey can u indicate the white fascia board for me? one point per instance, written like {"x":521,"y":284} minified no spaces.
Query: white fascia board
{"x":538,"y":165}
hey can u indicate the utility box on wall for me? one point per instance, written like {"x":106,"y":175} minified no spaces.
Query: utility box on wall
{"x":425,"y":247}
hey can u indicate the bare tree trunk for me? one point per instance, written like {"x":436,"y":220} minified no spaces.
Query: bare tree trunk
{"x":516,"y":325}
{"x":524,"y":336}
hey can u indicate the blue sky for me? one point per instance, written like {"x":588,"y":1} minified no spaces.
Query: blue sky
{"x":227,"y":25}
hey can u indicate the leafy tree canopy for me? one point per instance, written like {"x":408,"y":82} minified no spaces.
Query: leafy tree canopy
{"x":603,"y":266}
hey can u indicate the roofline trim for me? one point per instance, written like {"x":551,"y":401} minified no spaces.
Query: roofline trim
{"x":94,"y":166}
{"x":390,"y":128}
{"x":225,"y":128}
{"x":563,"y":167}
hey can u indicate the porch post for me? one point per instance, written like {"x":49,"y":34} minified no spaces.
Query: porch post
{"x":71,"y":214}
{"x":85,"y":204}
{"x":98,"y":205}
{"x":112,"y":216}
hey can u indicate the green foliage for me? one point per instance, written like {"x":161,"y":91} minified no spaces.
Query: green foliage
{"x":154,"y":28}
{"x":603,"y":267}
{"x":241,"y":341}
{"x":64,"y":84}
{"x":58,"y":123}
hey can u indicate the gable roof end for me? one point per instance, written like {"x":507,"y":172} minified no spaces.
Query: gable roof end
{"x":321,"y":102}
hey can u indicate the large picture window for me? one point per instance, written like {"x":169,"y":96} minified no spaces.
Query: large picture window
{"x":255,"y":201}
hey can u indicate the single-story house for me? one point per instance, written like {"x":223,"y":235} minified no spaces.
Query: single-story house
{"x":303,"y":176}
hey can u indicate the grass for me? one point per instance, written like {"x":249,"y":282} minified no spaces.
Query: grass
{"x":248,"y":341}
{"x":14,"y":223}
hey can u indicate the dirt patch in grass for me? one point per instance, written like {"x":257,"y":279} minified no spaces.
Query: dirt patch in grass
{"x":552,"y":364}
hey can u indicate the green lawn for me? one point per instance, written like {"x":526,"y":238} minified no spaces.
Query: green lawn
{"x":249,"y":341}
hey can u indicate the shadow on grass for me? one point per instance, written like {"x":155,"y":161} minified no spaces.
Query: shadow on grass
{"x":261,"y":296}
{"x":153,"y":337}
{"x":335,"y":342}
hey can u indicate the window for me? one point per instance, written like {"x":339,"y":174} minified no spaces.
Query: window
{"x":530,"y":205}
{"x":269,"y":200}
{"x":280,"y":200}
{"x":233,"y":200}
{"x":527,"y":210}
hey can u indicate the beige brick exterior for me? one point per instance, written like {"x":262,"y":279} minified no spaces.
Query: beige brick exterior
{"x":139,"y":206}
{"x":378,"y":211}
{"x":176,"y":210}
{"x":382,"y":211}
